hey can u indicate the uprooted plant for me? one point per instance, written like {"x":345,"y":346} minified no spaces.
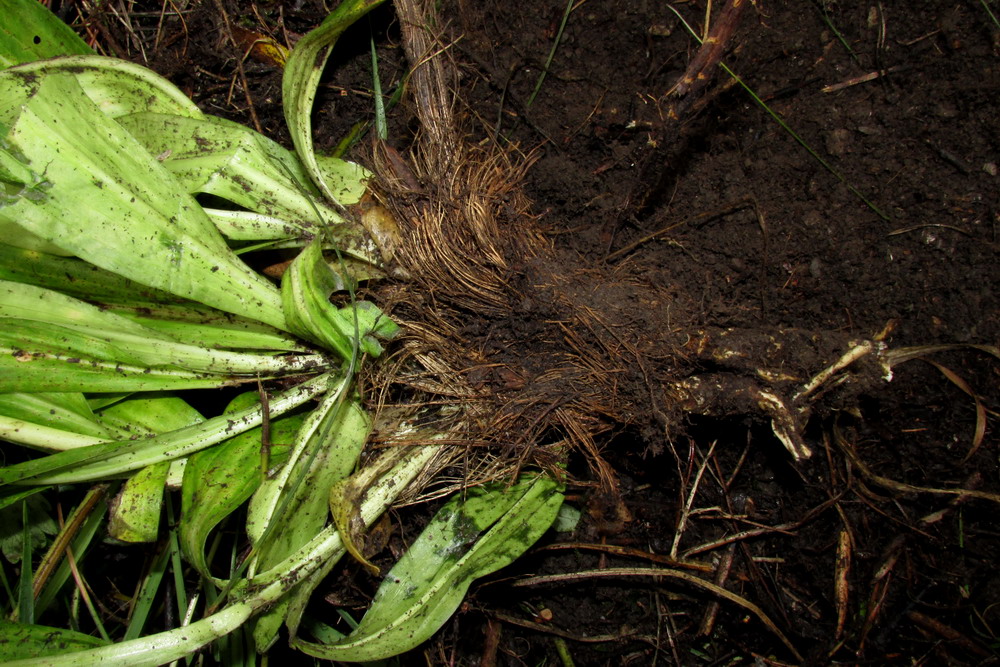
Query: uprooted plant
{"x":149,"y":293}
{"x":125,"y":213}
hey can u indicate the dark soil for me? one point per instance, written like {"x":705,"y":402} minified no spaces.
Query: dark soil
{"x":758,"y":236}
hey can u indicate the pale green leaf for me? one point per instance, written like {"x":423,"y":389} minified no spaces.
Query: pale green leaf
{"x":42,"y":437}
{"x":80,"y":279}
{"x":306,"y":288}
{"x":325,"y":450}
{"x":285,"y":513}
{"x":301,"y":78}
{"x":468,"y":538}
{"x":221,"y":158}
{"x":139,"y":224}
{"x":267,"y":588}
{"x":219,"y":479}
{"x":105,"y":460}
{"x":205,"y":327}
{"x":32,"y":642}
{"x":35,"y":35}
{"x":347,"y":181}
{"x":116,"y":87}
{"x":149,"y":414}
{"x":44,"y":330}
{"x":135,"y":511}
{"x":62,"y":411}
{"x":19,"y":237}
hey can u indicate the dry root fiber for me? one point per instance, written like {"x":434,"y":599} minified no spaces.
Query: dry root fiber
{"x":543,"y":356}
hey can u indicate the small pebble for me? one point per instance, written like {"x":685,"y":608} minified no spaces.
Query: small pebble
{"x":837,"y":140}
{"x":945,"y":110}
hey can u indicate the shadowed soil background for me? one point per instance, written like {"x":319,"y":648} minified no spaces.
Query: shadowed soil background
{"x":653,"y":267}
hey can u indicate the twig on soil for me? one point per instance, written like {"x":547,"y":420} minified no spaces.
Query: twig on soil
{"x":841,"y":588}
{"x":785,"y":528}
{"x":948,"y":633}
{"x":721,"y":575}
{"x":864,"y":78}
{"x":548,"y":629}
{"x":239,"y":68}
{"x":689,"y":501}
{"x":748,"y":202}
{"x":619,"y":550}
{"x":123,"y":19}
{"x":584,"y":575}
{"x":902,"y":487}
{"x":882,"y":578}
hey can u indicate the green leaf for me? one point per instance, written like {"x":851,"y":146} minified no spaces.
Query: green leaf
{"x":52,"y":340}
{"x":41,"y":527}
{"x":11,"y":496}
{"x":77,"y":278}
{"x":110,"y":459}
{"x":221,"y":158}
{"x":61,"y":411}
{"x":267,"y":588}
{"x":35,"y":35}
{"x":117,"y":87}
{"x":219,"y":479}
{"x":468,"y":538}
{"x":30,"y":642}
{"x":348,"y":181}
{"x":140,"y":224}
{"x":306,"y":288}
{"x":43,"y":437}
{"x":201,"y":326}
{"x":301,"y":79}
{"x":135,"y":511}
{"x":149,"y":414}
{"x":288,"y":510}
{"x":217,"y":157}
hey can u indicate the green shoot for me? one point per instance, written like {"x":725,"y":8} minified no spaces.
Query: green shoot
{"x":552,"y":53}
{"x":836,"y":33}
{"x":147,"y":592}
{"x":381,"y":129}
{"x":989,"y":12}
{"x":25,"y":593}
